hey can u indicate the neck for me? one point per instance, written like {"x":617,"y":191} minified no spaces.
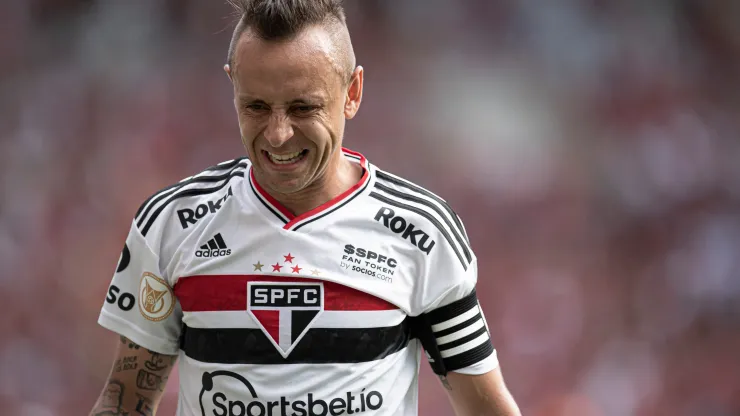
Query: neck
{"x":338,"y":178}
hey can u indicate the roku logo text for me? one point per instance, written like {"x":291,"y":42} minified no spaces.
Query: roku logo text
{"x":408,"y":230}
{"x":189,"y":216}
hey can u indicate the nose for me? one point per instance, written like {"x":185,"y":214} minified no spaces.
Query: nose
{"x":279,"y":129}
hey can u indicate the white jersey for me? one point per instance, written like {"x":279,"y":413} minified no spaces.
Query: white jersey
{"x":320,"y":314}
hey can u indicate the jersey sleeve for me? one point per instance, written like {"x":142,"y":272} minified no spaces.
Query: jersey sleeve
{"x":452,"y":328}
{"x":140,"y":303}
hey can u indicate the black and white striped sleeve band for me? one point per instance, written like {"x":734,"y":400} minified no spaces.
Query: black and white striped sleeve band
{"x":454,"y":336}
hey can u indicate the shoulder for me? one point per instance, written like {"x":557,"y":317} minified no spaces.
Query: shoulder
{"x":191,"y":198}
{"x":422,"y":217}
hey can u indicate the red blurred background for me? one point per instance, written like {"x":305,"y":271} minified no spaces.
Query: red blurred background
{"x":590,"y":146}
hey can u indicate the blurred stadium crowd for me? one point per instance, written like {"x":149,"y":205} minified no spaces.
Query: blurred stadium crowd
{"x":590,"y":146}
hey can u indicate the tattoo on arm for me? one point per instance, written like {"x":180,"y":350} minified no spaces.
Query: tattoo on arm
{"x":157,"y":362}
{"x":131,"y":345}
{"x":112,"y":400}
{"x":144,"y":406}
{"x":148,"y":378}
{"x":149,"y":381}
{"x":126,"y":363}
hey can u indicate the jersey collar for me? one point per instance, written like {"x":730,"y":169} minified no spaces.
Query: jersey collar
{"x":292,"y":222}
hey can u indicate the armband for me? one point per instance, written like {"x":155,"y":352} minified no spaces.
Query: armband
{"x":454,"y":336}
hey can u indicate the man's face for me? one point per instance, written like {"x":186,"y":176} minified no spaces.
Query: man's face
{"x":292,"y":103}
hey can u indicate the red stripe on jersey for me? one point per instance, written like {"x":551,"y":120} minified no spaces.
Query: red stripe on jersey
{"x":229,"y":293}
{"x":355,"y":154}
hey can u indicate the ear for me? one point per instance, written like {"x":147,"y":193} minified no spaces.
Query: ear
{"x":354,"y":93}
{"x":227,"y":69}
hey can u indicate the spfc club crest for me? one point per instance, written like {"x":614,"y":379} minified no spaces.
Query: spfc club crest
{"x":285,"y":311}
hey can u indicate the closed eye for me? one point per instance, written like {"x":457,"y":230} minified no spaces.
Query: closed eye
{"x":256,"y":107}
{"x":304,"y":109}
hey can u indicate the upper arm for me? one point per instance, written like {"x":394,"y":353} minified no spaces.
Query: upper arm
{"x":453,"y":330}
{"x":140,"y":303}
{"x":485,"y":394}
{"x":136,"y":381}
{"x":141,"y":307}
{"x":451,"y":325}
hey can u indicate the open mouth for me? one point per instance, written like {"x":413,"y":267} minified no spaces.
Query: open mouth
{"x":286,"y":159}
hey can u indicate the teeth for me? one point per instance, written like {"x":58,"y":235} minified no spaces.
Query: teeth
{"x":285,"y":159}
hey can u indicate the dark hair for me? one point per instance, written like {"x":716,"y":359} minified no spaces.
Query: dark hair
{"x":281,"y":19}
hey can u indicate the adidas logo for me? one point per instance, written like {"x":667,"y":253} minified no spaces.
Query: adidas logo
{"x":215,"y":247}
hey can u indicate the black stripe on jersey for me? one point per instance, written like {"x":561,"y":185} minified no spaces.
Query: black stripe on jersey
{"x":164,"y":193}
{"x":190,"y":192}
{"x":268,"y":206}
{"x":426,"y":215}
{"x":228,"y":164}
{"x":408,"y":185}
{"x":222,"y":166}
{"x":318,"y":346}
{"x":336,"y":207}
{"x":462,"y":228}
{"x":412,"y":198}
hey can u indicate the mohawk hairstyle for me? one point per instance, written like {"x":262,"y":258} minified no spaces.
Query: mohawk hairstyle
{"x":281,"y":19}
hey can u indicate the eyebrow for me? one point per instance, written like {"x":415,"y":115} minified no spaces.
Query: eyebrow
{"x":307,"y":99}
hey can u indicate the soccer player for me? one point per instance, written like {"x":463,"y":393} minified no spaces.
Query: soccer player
{"x":302,"y":280}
